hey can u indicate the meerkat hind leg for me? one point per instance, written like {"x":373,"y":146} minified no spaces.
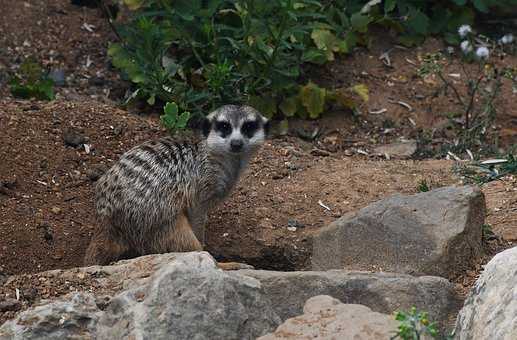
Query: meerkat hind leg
{"x":185,"y":225}
{"x":179,"y":238}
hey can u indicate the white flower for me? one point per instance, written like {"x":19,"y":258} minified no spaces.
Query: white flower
{"x":450,"y":49}
{"x":466,"y":47}
{"x":482,"y":52}
{"x":464,"y":30}
{"x":506,"y":39}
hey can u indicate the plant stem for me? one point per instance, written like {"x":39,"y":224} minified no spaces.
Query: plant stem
{"x":471,"y":101}
{"x":448,"y":84}
{"x":110,"y":17}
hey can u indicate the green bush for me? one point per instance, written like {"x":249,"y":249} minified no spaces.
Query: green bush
{"x":201,"y":54}
{"x":31,"y":82}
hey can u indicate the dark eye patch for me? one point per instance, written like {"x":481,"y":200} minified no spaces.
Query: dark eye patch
{"x":224,"y":128}
{"x":249,"y":128}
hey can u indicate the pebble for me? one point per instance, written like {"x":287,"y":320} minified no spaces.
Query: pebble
{"x":294,"y":224}
{"x":10,"y":305}
{"x":73,"y":138}
{"x":96,"y":171}
{"x":3,"y":276}
{"x":58,"y":76}
{"x":319,"y":152}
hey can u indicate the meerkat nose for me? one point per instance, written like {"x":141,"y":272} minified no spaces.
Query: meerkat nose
{"x":236,"y":145}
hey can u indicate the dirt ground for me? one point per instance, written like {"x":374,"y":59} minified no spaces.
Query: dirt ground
{"x":47,"y":176}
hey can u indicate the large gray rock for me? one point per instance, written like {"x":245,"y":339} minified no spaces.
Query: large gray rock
{"x":169,"y":296}
{"x":490,"y":311}
{"x":73,"y":319}
{"x":432,"y":233}
{"x":382,"y":292}
{"x":326,"y":318}
{"x":190,"y":299}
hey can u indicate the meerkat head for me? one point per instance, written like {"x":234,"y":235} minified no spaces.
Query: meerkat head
{"x":235,"y":130}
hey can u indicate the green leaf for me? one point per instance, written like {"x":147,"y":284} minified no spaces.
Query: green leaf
{"x":314,"y":56}
{"x":289,"y":106}
{"x":171,"y":109}
{"x":418,"y":21}
{"x":326,"y":41}
{"x":46,"y":89}
{"x":360,"y":22}
{"x":283,"y":127}
{"x":267,"y":106}
{"x":313,"y":99}
{"x":480,"y":5}
{"x":389,"y":5}
{"x":362,"y":91}
{"x":133,"y":5}
{"x":151,"y":100}
{"x":183,"y":120}
{"x":411,"y":39}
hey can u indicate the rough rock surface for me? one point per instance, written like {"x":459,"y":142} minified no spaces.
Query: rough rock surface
{"x":490,"y":311}
{"x":431,"y":233}
{"x":73,"y":319}
{"x":188,"y":297}
{"x":382,"y":292}
{"x":327,"y":318}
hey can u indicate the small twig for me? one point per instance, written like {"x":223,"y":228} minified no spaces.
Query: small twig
{"x":411,"y":62}
{"x":471,"y":102}
{"x":323,"y":205}
{"x":376,"y":112}
{"x":401,"y":103}
{"x":448,"y":84}
{"x":110,"y":17}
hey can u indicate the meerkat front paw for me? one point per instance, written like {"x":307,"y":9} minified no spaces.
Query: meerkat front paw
{"x":233,"y":266}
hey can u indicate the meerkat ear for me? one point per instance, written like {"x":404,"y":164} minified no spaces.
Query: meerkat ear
{"x":206,"y":124}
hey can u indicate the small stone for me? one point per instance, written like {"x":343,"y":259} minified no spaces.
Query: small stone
{"x":3,"y":276}
{"x":73,"y":138}
{"x":57,"y":256}
{"x":9,"y":183}
{"x":30,"y":294}
{"x":9,"y":305}
{"x":58,"y":76}
{"x":294,"y":223}
{"x":118,"y":130}
{"x":103,"y":301}
{"x":47,"y":231}
{"x":279,"y":175}
{"x":291,"y":166}
{"x":56,"y":210}
{"x":97,"y":81}
{"x":319,"y":152}
{"x":291,"y":228}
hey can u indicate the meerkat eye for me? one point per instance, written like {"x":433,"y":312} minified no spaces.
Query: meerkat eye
{"x":224,"y":128}
{"x":249,"y":128}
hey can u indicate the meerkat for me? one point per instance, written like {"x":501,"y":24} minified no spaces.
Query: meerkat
{"x":156,"y":198}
